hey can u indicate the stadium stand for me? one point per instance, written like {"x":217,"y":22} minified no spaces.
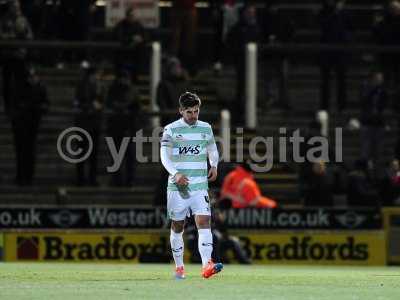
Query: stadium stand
{"x":54,"y":177}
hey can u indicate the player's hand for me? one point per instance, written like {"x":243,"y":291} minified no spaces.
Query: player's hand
{"x":212,"y":174}
{"x":181,"y":179}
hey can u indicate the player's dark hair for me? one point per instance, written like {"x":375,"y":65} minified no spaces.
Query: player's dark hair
{"x":189,"y":99}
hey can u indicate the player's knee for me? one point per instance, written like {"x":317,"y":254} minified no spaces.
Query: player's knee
{"x":203,"y":222}
{"x":177,"y":226}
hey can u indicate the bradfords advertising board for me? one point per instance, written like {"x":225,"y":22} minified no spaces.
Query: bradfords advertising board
{"x":333,"y":248}
{"x":146,"y":11}
{"x":96,"y":247}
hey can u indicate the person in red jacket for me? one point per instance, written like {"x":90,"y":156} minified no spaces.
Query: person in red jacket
{"x":240,"y":187}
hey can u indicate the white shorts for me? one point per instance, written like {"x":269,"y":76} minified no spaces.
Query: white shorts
{"x":179,"y":208}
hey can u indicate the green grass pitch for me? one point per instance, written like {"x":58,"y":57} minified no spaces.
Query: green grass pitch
{"x":130,"y":281}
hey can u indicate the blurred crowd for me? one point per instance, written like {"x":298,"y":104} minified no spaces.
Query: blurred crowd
{"x":371,"y":181}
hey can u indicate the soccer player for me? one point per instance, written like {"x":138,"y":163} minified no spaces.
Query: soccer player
{"x":185,"y":146}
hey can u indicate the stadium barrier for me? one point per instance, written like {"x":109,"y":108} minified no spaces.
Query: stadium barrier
{"x":141,"y":234}
{"x":285,"y":247}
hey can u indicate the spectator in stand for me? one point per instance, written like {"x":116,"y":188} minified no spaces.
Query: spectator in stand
{"x":335,"y":30}
{"x":123,"y":103}
{"x":240,"y":187}
{"x":184,"y":30}
{"x":246,"y":30}
{"x":390,"y":188}
{"x":387,"y":33}
{"x":131,"y":33}
{"x":319,"y":190}
{"x":31,"y":102}
{"x":225,"y":16}
{"x":397,"y":147}
{"x":74,"y":18}
{"x":43,"y":16}
{"x":34,"y":11}
{"x":278,"y":28}
{"x":361,"y":190}
{"x":373,"y":103}
{"x":13,"y":26}
{"x":306,"y":167}
{"x":89,"y":100}
{"x":175,"y":82}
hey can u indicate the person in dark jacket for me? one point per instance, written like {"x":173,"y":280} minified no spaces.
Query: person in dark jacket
{"x":183,"y":18}
{"x":31,"y":102}
{"x":174,"y":83}
{"x":361,"y":190}
{"x":278,"y":28}
{"x":390,"y":185}
{"x":223,"y":240}
{"x":373,"y":103}
{"x":124,"y":106}
{"x":89,"y":101}
{"x":319,"y":191}
{"x":225,"y":15}
{"x":335,"y":29}
{"x":245,"y":31}
{"x":13,"y":26}
{"x":74,"y":19}
{"x":387,"y":33}
{"x":131,"y":33}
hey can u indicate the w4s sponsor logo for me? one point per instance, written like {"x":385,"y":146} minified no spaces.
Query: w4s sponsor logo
{"x":194,"y":150}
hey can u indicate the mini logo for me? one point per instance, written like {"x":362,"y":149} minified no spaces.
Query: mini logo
{"x":203,"y":136}
{"x":179,"y":137}
{"x":350,"y":219}
{"x":65,"y":218}
{"x":28,"y":248}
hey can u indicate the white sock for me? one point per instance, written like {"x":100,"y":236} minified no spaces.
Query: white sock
{"x":177,"y":247}
{"x":205,"y":245}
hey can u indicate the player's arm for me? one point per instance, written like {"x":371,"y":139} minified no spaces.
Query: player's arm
{"x":165,"y":154}
{"x":213,"y":157}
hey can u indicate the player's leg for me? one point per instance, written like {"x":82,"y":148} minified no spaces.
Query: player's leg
{"x":200,"y":207}
{"x":177,"y":211}
{"x":205,"y":242}
{"x":177,"y":247}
